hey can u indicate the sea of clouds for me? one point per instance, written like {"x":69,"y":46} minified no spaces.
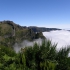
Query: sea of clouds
{"x":60,"y":37}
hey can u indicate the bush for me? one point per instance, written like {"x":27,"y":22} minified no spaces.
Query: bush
{"x":44,"y":57}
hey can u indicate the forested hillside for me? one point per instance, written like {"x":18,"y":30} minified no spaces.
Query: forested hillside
{"x":44,"y":57}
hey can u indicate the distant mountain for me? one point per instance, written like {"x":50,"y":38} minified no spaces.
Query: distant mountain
{"x":42,"y":29}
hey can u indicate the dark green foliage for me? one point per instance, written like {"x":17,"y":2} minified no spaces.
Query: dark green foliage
{"x":39,"y":34}
{"x":62,"y":57}
{"x":44,"y":57}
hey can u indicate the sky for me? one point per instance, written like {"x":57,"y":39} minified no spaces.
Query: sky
{"x":42,"y":13}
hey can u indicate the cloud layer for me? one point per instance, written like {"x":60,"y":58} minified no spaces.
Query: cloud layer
{"x":61,"y":37}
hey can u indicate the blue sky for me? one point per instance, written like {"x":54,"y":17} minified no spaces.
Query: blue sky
{"x":44,"y":13}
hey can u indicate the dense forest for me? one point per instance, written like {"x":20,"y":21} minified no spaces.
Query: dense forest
{"x":36,"y":57}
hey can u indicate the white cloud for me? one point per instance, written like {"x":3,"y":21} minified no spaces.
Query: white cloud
{"x":17,"y":47}
{"x":61,"y":37}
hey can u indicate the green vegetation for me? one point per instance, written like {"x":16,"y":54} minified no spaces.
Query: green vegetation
{"x":44,"y":57}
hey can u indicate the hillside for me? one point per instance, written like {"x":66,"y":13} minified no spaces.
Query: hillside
{"x":11,"y":33}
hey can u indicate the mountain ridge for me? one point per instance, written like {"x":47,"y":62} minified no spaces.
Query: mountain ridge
{"x":10,"y":33}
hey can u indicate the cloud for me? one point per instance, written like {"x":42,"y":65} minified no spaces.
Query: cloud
{"x":17,"y":47}
{"x":61,"y":38}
